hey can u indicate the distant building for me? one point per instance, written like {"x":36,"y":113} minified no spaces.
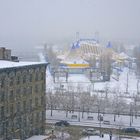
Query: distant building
{"x":85,"y":48}
{"x":22,"y":98}
{"x":81,"y":51}
{"x":5,"y":54}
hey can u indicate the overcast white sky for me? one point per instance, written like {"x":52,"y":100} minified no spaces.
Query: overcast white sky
{"x":32,"y":22}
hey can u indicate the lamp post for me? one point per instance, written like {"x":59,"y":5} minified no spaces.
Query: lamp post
{"x":130,"y":114}
{"x":62,"y":133}
{"x":52,"y":133}
{"x":100,"y":126}
{"x":138,"y":86}
{"x":127,"y":84}
{"x":79,"y":115}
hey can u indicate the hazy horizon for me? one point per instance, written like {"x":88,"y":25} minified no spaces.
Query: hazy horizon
{"x":29,"y":23}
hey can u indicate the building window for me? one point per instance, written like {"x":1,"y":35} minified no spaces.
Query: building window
{"x":24,"y":79}
{"x":42,"y":100}
{"x":32,"y":119}
{"x":30,"y":90}
{"x":43,"y":116}
{"x":18,"y":107}
{"x":36,"y":101}
{"x":18,"y":80}
{"x":30,"y":104}
{"x":24,"y":92}
{"x":2,"y":82}
{"x":42,"y":88}
{"x":24,"y":106}
{"x":30,"y":77}
{"x":11,"y":81}
{"x":42,"y":76}
{"x":2,"y":112}
{"x":2,"y":95}
{"x":12,"y":109}
{"x":36,"y":77}
{"x":24,"y":121}
{"x":37,"y":117}
{"x":18,"y":93}
{"x":36,"y":89}
{"x":11,"y":96}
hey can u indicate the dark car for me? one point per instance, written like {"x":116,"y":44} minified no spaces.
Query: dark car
{"x":62,"y":123}
{"x":130,"y":130}
{"x":90,"y":131}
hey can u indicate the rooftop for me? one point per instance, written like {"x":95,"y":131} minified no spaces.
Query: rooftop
{"x":11,"y":64}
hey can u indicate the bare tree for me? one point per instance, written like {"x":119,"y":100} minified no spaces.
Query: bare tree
{"x":84,"y":100}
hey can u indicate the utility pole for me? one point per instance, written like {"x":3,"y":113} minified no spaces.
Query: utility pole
{"x":127,"y":84}
{"x":138,"y":86}
{"x":130,"y":114}
{"x":79,"y":115}
{"x":100,"y":126}
{"x":51,"y":102}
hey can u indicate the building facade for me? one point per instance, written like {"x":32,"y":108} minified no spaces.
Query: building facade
{"x":22,"y":100}
{"x":5,"y":54}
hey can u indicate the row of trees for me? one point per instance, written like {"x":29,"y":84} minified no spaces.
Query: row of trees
{"x":84,"y":102}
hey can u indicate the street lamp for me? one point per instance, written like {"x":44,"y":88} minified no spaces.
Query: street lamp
{"x":79,"y":115}
{"x":62,"y":132}
{"x":138,"y":86}
{"x":130,"y":114}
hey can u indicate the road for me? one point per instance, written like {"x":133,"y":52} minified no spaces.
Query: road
{"x":121,"y":121}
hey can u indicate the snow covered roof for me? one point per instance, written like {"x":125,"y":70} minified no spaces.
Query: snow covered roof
{"x":11,"y":64}
{"x":124,"y":55}
{"x":40,"y":137}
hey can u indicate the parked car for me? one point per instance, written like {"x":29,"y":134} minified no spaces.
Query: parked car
{"x":62,"y":123}
{"x":130,"y":130}
{"x":106,"y":122}
{"x":90,"y":131}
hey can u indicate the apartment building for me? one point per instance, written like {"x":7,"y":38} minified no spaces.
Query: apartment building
{"x":22,"y":99}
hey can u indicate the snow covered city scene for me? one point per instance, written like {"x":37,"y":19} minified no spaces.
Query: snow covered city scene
{"x":69,"y":69}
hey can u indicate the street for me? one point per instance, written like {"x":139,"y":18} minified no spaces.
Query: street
{"x":91,"y":119}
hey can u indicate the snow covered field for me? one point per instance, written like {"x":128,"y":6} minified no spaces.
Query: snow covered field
{"x":80,"y":80}
{"x":121,"y":85}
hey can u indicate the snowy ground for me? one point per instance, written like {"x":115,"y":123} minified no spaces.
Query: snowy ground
{"x":77,"y":82}
{"x":121,"y":122}
{"x":39,"y":137}
{"x":80,"y":80}
{"x":106,"y":137}
{"x":120,"y":85}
